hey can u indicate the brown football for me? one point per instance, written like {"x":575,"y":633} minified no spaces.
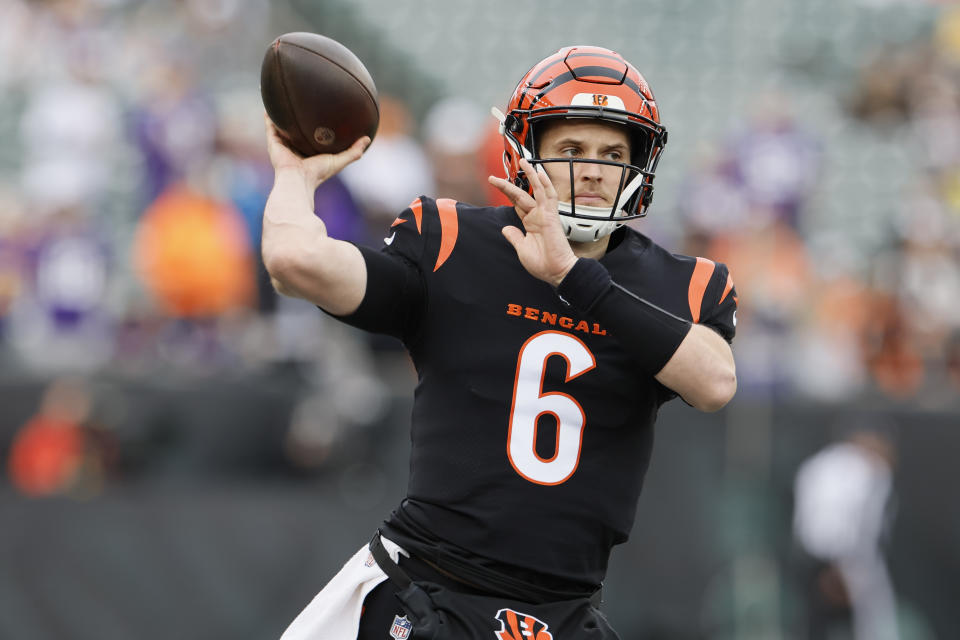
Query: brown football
{"x":317,"y":93}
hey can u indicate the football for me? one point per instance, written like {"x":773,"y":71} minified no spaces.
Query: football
{"x":318,"y":93}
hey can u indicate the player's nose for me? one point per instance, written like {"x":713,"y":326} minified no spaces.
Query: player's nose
{"x":590,"y":170}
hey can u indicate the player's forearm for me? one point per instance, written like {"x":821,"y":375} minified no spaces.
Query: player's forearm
{"x":302,"y":260}
{"x":688,"y":358}
{"x":290,"y":227}
{"x":291,"y":203}
{"x":702,"y":370}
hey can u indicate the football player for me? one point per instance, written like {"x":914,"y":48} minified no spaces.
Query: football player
{"x":545,"y":336}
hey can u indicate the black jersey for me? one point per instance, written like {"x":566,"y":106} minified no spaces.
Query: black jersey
{"x":531,"y":428}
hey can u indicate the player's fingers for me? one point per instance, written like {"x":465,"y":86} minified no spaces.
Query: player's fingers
{"x":270,"y":128}
{"x":539,"y":181}
{"x":533,"y":177}
{"x":338,"y":161}
{"x":548,"y":188}
{"x":272,"y":133}
{"x":520,"y":198}
{"x":353,"y":153}
{"x":538,"y":175}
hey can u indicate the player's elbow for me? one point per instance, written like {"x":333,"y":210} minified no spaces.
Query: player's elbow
{"x":284,"y":264}
{"x":278,"y":264}
{"x":717,"y":392}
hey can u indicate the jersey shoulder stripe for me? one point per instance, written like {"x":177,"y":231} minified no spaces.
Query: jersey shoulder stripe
{"x":727,"y":288}
{"x":416,"y":208}
{"x":449,"y":227}
{"x":702,"y":273}
{"x":432,"y":218}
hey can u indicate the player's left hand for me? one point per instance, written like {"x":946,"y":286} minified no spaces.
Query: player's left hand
{"x":542,"y":246}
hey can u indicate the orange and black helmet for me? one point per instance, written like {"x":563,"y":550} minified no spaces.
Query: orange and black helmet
{"x":595,"y":83}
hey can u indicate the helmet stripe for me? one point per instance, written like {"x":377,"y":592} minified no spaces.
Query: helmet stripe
{"x":562,"y":79}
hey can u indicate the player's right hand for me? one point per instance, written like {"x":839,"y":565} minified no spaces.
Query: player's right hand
{"x":315,"y":169}
{"x":542,"y":246}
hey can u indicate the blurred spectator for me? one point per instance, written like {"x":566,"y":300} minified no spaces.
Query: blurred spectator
{"x":827,"y":353}
{"x":841,"y":518}
{"x":771,"y":267}
{"x":14,"y":33}
{"x":776,"y":162}
{"x":61,"y":320}
{"x":711,"y":202}
{"x":392,"y":173}
{"x":194,"y":255}
{"x":69,"y":128}
{"x":881,"y":96}
{"x":57,"y":451}
{"x":453,"y":131}
{"x":894,"y":363}
{"x":174,"y":125}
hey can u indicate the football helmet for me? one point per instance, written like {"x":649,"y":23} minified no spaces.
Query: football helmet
{"x":595,"y":83}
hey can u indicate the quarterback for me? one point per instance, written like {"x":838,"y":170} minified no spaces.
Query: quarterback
{"x":545,"y":335}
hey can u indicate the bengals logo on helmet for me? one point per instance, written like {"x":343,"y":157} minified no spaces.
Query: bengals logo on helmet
{"x":521,"y":626}
{"x":600,"y":100}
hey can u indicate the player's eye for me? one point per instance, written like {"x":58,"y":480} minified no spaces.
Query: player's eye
{"x":570,"y":152}
{"x":614,"y":156}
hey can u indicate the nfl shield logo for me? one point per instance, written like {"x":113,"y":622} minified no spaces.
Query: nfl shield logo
{"x":401,"y":628}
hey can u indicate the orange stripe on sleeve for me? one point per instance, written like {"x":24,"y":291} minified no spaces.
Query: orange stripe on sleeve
{"x":727,"y":288}
{"x":417,"y":206}
{"x":698,"y":285}
{"x":449,"y":227}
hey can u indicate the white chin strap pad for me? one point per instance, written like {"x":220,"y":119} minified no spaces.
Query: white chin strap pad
{"x":583,"y":230}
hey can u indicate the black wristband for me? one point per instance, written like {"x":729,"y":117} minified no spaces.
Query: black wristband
{"x":584,"y":284}
{"x":650,"y":334}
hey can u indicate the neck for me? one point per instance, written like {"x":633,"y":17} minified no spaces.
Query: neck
{"x":595,"y":249}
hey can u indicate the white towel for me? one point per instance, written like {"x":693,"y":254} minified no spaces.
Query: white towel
{"x":335,"y":611}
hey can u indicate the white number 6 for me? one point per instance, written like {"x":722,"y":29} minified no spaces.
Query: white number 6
{"x":530,"y":403}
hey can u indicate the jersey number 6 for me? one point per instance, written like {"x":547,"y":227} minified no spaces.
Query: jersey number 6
{"x":530,"y":404}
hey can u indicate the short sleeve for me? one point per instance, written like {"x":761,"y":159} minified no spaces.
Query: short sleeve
{"x":719,"y":308}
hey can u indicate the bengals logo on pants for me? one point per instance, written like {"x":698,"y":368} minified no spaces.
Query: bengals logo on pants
{"x":521,"y":626}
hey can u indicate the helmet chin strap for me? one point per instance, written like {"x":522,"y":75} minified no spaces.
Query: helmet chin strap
{"x":603,"y":220}
{"x":597,"y":212}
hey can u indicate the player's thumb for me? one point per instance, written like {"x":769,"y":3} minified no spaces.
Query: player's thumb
{"x":513,"y":235}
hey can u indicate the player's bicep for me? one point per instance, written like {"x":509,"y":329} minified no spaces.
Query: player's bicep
{"x":327,"y":272}
{"x":394,"y":297}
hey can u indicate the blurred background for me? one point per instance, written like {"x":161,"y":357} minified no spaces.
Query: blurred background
{"x":187,"y":455}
